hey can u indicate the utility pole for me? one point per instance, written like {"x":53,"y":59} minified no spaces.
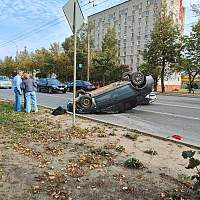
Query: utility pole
{"x":74,"y":15}
{"x":88,"y":58}
{"x":74,"y":89}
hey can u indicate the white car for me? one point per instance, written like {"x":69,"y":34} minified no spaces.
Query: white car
{"x":150,"y":98}
{"x":5,"y":82}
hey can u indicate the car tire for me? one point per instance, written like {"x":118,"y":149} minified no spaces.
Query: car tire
{"x":138,"y":80}
{"x":38,"y":89}
{"x":64,"y":91}
{"x":50,"y":90}
{"x":84,"y":102}
{"x":146,"y":102}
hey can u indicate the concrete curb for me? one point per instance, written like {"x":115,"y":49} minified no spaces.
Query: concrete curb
{"x":178,"y":95}
{"x":131,"y":129}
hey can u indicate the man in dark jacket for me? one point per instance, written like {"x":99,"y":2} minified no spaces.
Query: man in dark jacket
{"x":29,"y":85}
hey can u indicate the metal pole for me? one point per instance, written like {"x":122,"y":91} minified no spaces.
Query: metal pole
{"x":88,"y":61}
{"x":74,"y":92}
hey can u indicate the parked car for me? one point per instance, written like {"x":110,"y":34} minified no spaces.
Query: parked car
{"x":50,"y":85}
{"x":116,"y":97}
{"x":81,"y":85}
{"x":5,"y":82}
{"x":149,"y":99}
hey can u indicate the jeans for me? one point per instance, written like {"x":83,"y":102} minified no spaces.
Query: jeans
{"x":17,"y":100}
{"x":31,"y":96}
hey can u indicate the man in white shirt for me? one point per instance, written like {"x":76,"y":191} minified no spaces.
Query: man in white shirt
{"x":17,"y":81}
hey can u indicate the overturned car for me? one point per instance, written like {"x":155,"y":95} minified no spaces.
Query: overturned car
{"x":117,"y":97}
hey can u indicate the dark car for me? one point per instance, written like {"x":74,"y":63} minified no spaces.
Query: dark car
{"x":81,"y":85}
{"x":116,"y":97}
{"x":50,"y":85}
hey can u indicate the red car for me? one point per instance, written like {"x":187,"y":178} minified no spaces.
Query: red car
{"x":81,"y":85}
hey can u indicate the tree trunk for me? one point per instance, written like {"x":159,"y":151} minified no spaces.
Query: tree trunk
{"x":104,"y":80}
{"x":163,"y":76}
{"x":190,"y":83}
{"x":155,"y":84}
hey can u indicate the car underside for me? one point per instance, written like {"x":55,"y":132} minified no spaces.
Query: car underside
{"x":117,"y":97}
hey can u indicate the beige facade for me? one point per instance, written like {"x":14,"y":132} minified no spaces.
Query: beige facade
{"x":133,"y":21}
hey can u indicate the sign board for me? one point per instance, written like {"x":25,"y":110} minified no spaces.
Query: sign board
{"x":68,"y":10}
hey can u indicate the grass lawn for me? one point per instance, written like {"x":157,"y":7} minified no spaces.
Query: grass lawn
{"x":42,"y":157}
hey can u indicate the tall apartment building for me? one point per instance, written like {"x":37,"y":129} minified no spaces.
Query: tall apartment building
{"x":133,"y":21}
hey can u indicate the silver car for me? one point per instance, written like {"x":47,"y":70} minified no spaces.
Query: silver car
{"x":5,"y":82}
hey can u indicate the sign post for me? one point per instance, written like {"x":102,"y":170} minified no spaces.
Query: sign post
{"x":75,"y":18}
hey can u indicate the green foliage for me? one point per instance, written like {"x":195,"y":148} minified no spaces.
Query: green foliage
{"x":189,"y":59}
{"x":133,"y":136}
{"x":162,"y":50}
{"x":193,"y":164}
{"x":133,"y":163}
{"x":105,"y":61}
{"x":7,"y":66}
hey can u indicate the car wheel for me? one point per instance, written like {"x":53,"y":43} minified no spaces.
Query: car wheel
{"x":85,"y":102}
{"x":146,"y":102}
{"x":50,"y":90}
{"x":64,"y":91}
{"x":137,"y":78}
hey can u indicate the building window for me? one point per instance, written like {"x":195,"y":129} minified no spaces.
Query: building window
{"x":147,"y":13}
{"x":131,"y":60}
{"x":132,"y":44}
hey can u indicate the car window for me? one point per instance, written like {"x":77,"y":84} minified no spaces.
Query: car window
{"x":4,"y":78}
{"x":54,"y":81}
{"x":87,"y":83}
{"x":42,"y":80}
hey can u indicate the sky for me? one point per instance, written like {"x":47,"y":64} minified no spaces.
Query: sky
{"x":38,"y":23}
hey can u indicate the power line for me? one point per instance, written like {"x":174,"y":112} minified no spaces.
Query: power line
{"x":51,"y":23}
{"x":27,"y":36}
{"x":20,"y":35}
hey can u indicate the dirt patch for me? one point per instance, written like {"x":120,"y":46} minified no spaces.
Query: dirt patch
{"x":43,"y":157}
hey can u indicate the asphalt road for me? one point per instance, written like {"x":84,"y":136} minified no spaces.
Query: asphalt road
{"x":167,"y":116}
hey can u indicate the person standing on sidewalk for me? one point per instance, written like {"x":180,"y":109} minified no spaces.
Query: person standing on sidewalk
{"x":29,"y":86}
{"x":17,"y":81}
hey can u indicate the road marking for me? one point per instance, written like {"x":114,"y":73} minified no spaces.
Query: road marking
{"x":170,"y":114}
{"x":165,"y":104}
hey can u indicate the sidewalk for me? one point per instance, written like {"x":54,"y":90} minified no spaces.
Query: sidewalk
{"x":180,"y":94}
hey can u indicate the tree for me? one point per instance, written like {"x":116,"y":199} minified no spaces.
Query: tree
{"x":68,"y":46}
{"x":43,"y":62}
{"x":24,"y":60}
{"x":189,"y":60}
{"x":164,"y":46}
{"x":196,"y":9}
{"x":7,"y":66}
{"x":106,"y":60}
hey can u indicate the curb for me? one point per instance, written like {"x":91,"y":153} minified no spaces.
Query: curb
{"x":178,"y":95}
{"x":140,"y":132}
{"x":120,"y":126}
